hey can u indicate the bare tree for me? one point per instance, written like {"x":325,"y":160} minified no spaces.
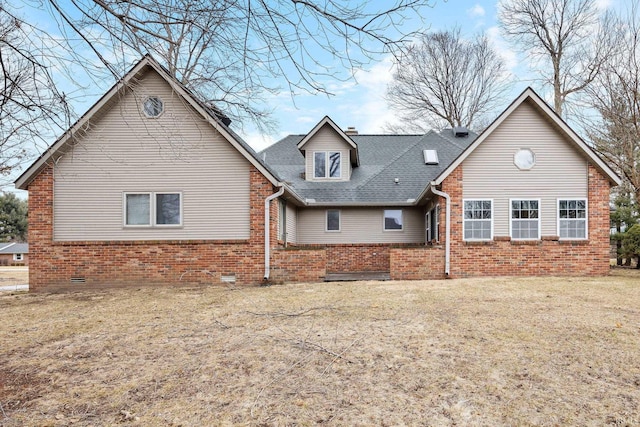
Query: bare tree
{"x":29,"y":100}
{"x":565,"y":34}
{"x":615,"y":96}
{"x":446,"y":80}
{"x":236,"y":53}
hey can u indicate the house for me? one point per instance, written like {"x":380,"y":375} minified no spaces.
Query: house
{"x":152,"y":186}
{"x":14,"y":253}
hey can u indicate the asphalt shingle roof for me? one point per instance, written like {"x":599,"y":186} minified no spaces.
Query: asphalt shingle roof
{"x":382,"y":159}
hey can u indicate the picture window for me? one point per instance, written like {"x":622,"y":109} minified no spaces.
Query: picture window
{"x":393,"y":219}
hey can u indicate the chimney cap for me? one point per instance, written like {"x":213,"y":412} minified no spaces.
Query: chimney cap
{"x":351,"y":130}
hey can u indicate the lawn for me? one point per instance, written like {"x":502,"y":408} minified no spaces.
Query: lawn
{"x":525,"y":351}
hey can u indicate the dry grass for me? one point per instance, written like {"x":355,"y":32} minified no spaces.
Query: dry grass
{"x":552,"y":351}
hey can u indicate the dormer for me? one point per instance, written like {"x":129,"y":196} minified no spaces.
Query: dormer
{"x":330,"y":153}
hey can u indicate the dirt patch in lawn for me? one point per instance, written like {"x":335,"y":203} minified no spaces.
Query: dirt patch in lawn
{"x":545,"y":351}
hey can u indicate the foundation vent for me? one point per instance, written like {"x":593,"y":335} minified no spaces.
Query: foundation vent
{"x":78,"y":280}
{"x":231,"y":278}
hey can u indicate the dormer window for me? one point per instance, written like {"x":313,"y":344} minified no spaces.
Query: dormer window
{"x":327,"y":164}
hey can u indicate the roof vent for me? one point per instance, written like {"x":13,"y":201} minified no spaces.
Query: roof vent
{"x":460,"y":131}
{"x":430,"y":157}
{"x":351,"y":131}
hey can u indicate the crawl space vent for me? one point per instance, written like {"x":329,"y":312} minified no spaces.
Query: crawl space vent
{"x":231,"y":278}
{"x":78,"y":280}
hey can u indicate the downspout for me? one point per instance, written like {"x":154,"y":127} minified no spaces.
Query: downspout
{"x":267,"y":229}
{"x":447,"y":243}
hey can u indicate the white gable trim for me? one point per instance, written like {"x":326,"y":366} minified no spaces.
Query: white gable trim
{"x":553,"y":116}
{"x":25,"y":179}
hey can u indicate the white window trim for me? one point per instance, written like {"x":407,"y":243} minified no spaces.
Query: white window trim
{"x":465,"y":220}
{"x":124,"y":209}
{"x":326,"y":221}
{"x":153,"y":215}
{"x":327,"y":161}
{"x":144,"y":110}
{"x":384,"y":223}
{"x":586,"y":217}
{"x":427,"y":229}
{"x":18,"y":257}
{"x":152,"y":210}
{"x":539,"y":219}
{"x":436,"y":231}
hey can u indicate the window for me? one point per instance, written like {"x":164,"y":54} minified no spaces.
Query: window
{"x":18,"y":257}
{"x":282,"y":220}
{"x":153,"y":106}
{"x":333,"y":220}
{"x":524,"y":159}
{"x":327,"y":164}
{"x":572,"y":218}
{"x":432,"y":224}
{"x":168,"y":209}
{"x":138,"y":209}
{"x":319,"y":164}
{"x":153,"y":209}
{"x":478,"y":219}
{"x":393,"y":219}
{"x":525,"y":219}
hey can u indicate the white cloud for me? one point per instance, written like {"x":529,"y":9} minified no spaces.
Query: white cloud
{"x":507,"y":54}
{"x":476,"y":11}
{"x":603,"y":5}
{"x":258,"y":141}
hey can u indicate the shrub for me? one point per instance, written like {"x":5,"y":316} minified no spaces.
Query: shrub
{"x":631,"y":243}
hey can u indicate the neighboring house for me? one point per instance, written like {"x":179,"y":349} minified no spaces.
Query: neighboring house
{"x":151,"y":186}
{"x":14,"y":254}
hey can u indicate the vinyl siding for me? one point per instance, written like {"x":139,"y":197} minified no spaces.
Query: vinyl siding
{"x":292,"y":224}
{"x":560,"y":171}
{"x":327,"y":139}
{"x":359,"y":225}
{"x":123,"y":151}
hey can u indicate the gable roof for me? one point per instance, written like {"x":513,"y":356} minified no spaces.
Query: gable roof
{"x":383,"y":159}
{"x":530,"y":95}
{"x":215,"y":119}
{"x":355,"y":158}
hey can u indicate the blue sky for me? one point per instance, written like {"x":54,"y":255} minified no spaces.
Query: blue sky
{"x":357,"y":102}
{"x":361,"y":103}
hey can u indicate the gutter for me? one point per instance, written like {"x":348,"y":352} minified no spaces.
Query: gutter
{"x":267,"y":229}
{"x":447,"y":244}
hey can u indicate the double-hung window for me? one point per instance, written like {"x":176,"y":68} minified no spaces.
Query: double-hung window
{"x":478,"y":219}
{"x":525,"y":219}
{"x":153,"y":209}
{"x":572,"y":218}
{"x":327,"y":164}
